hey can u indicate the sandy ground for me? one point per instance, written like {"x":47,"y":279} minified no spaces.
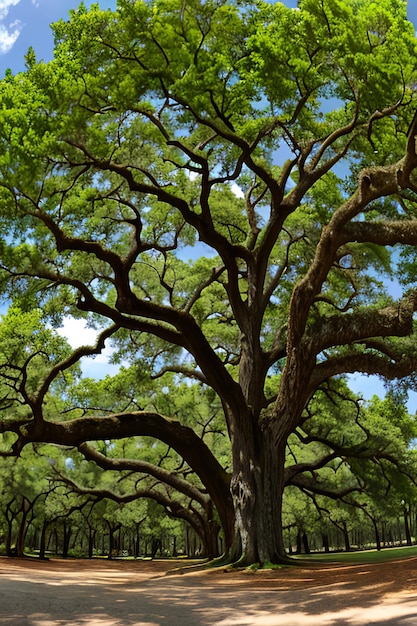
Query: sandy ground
{"x":141,"y":593}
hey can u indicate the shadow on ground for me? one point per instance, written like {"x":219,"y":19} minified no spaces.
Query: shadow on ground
{"x":100,"y":593}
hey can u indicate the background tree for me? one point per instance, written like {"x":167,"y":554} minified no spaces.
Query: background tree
{"x":291,"y":158}
{"x":158,"y":485}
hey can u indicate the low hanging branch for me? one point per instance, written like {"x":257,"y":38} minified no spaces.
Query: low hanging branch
{"x":136,"y":465}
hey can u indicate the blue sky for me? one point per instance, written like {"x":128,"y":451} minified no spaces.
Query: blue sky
{"x":25,"y":23}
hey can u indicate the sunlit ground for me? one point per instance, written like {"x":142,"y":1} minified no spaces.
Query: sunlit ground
{"x":100,"y":593}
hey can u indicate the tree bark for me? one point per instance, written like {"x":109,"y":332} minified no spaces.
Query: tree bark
{"x":257,"y":487}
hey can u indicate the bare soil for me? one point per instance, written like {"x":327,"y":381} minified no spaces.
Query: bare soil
{"x":156,"y":593}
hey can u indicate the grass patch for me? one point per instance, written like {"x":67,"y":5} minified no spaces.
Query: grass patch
{"x":268,"y":565}
{"x":362,"y":556}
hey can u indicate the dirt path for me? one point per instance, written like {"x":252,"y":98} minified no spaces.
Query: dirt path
{"x":139,"y":593}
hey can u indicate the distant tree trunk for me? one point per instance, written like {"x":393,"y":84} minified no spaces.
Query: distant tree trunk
{"x":34,"y":540}
{"x":120,"y":541}
{"x":76,"y":540}
{"x":110,"y":553}
{"x":325,"y":539}
{"x":407,"y":526}
{"x":156,"y":545}
{"x":23,"y":527}
{"x":208,"y":537}
{"x":137,"y":542}
{"x":305,"y":543}
{"x":91,"y":537}
{"x":346,"y":536}
{"x":9,"y":550}
{"x":42,"y":543}
{"x":289,"y":542}
{"x":9,"y":534}
{"x":57,"y":542}
{"x":112,"y":531}
{"x":67,"y":532}
{"x":299,"y":542}
{"x":377,"y":535}
{"x":399,"y":531}
{"x":187,"y":540}
{"x":50,"y":538}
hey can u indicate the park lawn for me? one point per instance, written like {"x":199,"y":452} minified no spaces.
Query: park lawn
{"x":363,"y":556}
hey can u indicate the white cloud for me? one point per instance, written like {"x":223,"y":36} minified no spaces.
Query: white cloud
{"x":8,"y":37}
{"x":237,"y":190}
{"x":10,"y":33}
{"x":5,"y":6}
{"x":78,"y":334}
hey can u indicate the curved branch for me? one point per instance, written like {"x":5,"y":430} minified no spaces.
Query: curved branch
{"x":313,"y":486}
{"x":364,"y":363}
{"x":74,"y":357}
{"x":339,"y":330}
{"x":136,"y":465}
{"x":383,"y":233}
{"x":189,"y":373}
{"x":294,"y":470}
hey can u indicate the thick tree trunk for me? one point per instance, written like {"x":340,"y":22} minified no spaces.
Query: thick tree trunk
{"x":257,"y":487}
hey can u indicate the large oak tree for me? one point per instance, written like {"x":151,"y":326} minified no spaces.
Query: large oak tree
{"x":278,"y":146}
